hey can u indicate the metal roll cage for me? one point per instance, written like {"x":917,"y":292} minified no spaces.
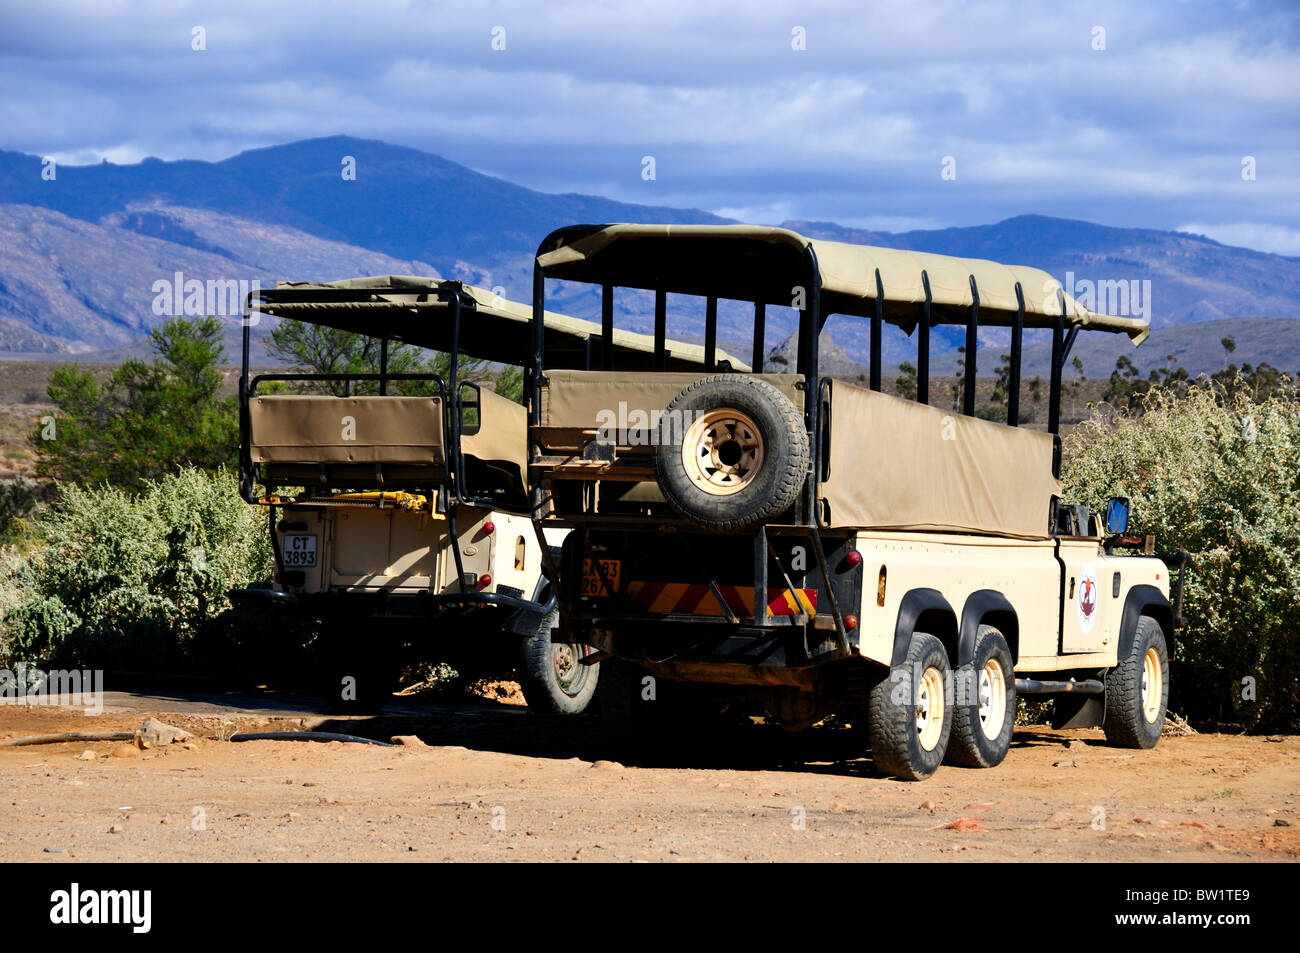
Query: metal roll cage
{"x":452,"y":495}
{"x":811,"y":321}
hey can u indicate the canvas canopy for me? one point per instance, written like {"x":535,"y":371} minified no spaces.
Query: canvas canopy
{"x":897,"y":464}
{"x":756,"y":263}
{"x":493,"y":328}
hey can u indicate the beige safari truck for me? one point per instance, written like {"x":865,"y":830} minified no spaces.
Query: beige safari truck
{"x":804,"y":548}
{"x":398,"y":504}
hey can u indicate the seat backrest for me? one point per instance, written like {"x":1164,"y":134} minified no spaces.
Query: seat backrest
{"x":290,"y":429}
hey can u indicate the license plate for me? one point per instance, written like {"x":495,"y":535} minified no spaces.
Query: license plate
{"x":600,"y":576}
{"x":299,"y":551}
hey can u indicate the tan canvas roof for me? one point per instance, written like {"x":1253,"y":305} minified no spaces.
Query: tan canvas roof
{"x":497,"y":329}
{"x":753,"y":262}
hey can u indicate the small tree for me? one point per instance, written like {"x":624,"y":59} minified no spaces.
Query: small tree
{"x":1229,"y":345}
{"x":1002,"y":379}
{"x":148,"y":419}
{"x":1076,"y":386}
{"x":959,"y":381}
{"x":906,"y":383}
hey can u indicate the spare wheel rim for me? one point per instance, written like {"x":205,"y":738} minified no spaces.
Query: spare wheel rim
{"x":722,"y":451}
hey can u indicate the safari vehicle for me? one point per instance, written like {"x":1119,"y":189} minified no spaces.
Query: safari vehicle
{"x":804,"y":548}
{"x":404,"y":498}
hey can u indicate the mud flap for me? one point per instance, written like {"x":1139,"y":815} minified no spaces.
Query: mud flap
{"x":1078,"y":711}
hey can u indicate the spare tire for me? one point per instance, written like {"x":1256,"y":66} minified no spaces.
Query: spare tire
{"x":731,"y":452}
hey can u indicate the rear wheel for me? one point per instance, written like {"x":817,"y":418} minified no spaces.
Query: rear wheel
{"x":911,"y":713}
{"x":1137,"y":690}
{"x":553,"y":676}
{"x":984,"y":715}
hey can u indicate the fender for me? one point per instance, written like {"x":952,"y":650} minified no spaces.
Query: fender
{"x":916,"y":604}
{"x":979,"y":604}
{"x":1145,"y":600}
{"x":525,"y":621}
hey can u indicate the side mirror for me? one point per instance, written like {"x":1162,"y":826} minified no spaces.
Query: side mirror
{"x":1117,"y":515}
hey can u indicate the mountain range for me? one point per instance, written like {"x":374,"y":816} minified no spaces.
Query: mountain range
{"x":85,"y":246}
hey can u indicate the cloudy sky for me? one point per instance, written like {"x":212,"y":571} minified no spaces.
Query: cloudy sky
{"x":1140,"y":114}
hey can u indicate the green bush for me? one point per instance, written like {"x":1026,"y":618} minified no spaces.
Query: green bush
{"x":1218,"y":476}
{"x":122,"y":579}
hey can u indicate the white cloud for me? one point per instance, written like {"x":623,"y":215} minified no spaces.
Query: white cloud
{"x":1278,"y":239}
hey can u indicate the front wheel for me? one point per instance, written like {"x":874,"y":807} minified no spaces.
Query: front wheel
{"x":553,"y":677}
{"x":1137,"y":690}
{"x":911,"y":713}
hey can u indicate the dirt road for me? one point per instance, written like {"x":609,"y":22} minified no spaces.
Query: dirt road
{"x":498,"y":783}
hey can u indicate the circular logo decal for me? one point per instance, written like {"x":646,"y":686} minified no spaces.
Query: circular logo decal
{"x":1086,"y":596}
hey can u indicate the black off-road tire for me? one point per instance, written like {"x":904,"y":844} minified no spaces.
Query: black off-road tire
{"x":550,"y":674}
{"x":970,"y":744}
{"x":769,"y":447}
{"x":896,"y":746}
{"x":638,"y":716}
{"x":1130,"y":723}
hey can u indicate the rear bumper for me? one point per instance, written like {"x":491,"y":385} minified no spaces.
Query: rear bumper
{"x":387,"y":604}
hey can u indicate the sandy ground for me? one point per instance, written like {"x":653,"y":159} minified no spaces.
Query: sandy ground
{"x":497,"y":782}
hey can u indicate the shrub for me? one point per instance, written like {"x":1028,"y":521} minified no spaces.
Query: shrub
{"x":122,"y":579}
{"x":1217,"y":474}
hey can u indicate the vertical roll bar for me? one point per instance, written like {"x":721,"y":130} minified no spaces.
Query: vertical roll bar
{"x":810,"y":324}
{"x":607,"y":327}
{"x":877,"y":329}
{"x":661,"y":328}
{"x":923,"y":347}
{"x":1054,"y":399}
{"x":760,"y":319}
{"x":1017,"y":342}
{"x":972,"y":344}
{"x":711,"y":333}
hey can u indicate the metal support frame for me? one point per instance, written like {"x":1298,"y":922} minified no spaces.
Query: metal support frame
{"x":1068,"y":345}
{"x":711,"y":333}
{"x":810,"y":323}
{"x":923,"y":347}
{"x":661,"y":329}
{"x":972,"y":344}
{"x":877,"y":330}
{"x":448,"y":391}
{"x":760,"y":320}
{"x":1017,"y":344}
{"x":607,"y":327}
{"x":1054,"y":398}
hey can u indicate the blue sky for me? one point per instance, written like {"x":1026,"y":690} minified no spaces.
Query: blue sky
{"x":1151,"y":130}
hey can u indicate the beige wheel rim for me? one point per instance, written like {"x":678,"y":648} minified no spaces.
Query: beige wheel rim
{"x":992,"y":699}
{"x":1152,"y":685}
{"x":930,"y":708}
{"x":722,"y":452}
